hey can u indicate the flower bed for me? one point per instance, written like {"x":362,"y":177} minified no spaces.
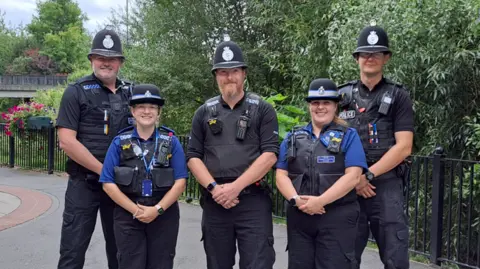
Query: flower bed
{"x":17,"y":116}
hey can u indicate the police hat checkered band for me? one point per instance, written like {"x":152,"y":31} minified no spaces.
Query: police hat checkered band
{"x":106,"y":53}
{"x":372,"y":47}
{"x":326,"y":93}
{"x":231,"y":63}
{"x":142,"y":96}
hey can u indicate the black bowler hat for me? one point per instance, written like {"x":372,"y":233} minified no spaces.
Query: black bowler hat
{"x":322,"y":89}
{"x":107,"y":43}
{"x":228,"y":55}
{"x":146,"y":94}
{"x":372,"y":39}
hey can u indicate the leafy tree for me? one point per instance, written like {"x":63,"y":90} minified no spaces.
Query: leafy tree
{"x":435,"y":54}
{"x":58,"y":29}
{"x":9,"y":45}
{"x":55,"y":17}
{"x":68,"y":48}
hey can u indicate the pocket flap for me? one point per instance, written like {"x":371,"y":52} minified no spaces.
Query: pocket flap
{"x":124,"y":175}
{"x":163,"y":177}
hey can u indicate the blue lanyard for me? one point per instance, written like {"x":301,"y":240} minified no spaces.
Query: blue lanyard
{"x":144,"y":156}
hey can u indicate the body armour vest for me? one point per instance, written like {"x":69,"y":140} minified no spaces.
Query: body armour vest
{"x":317,"y":164}
{"x":226,"y":155}
{"x":372,"y":118}
{"x":102,"y":116}
{"x":131,"y":172}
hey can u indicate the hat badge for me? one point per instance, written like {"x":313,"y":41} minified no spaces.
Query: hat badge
{"x":148,"y":94}
{"x":372,"y":38}
{"x":108,"y":42}
{"x":321,"y":90}
{"x":227,"y":54}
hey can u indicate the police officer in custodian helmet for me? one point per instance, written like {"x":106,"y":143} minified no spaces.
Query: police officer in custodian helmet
{"x":92,"y":111}
{"x":382,"y":113}
{"x":233,"y":145}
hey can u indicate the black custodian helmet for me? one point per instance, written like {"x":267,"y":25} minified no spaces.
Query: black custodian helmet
{"x":228,"y":55}
{"x":146,"y":94}
{"x":107,"y":43}
{"x":322,"y":89}
{"x":372,"y":39}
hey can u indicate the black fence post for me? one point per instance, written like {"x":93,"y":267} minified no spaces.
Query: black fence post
{"x":51,"y":150}
{"x":438,"y":179}
{"x":11,"y":145}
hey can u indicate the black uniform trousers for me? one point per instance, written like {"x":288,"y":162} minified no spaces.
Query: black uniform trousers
{"x":146,"y":245}
{"x":322,"y":241}
{"x":384,"y":216}
{"x":83,"y":199}
{"x":249,"y":223}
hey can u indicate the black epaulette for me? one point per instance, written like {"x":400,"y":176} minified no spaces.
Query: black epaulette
{"x":124,"y":130}
{"x":345,"y":91}
{"x":166,"y":129}
{"x":88,"y":78}
{"x":352,"y":82}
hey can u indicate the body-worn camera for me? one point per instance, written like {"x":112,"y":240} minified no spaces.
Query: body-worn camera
{"x":242,"y":126}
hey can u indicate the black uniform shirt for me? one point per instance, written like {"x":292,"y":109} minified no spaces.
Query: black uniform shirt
{"x":74,"y":105}
{"x":402,"y":108}
{"x":268,"y":128}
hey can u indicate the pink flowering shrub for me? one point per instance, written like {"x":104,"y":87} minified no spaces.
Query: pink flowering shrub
{"x":16,"y":117}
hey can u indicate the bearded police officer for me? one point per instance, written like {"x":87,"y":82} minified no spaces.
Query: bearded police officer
{"x":382,"y":113}
{"x":234,"y":143}
{"x":92,"y":111}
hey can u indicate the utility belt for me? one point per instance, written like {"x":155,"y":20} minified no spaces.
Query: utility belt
{"x":89,"y":176}
{"x":148,"y":201}
{"x":260,"y":186}
{"x":402,"y":171}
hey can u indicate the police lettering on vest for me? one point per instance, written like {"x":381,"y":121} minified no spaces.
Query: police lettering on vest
{"x":105,"y":117}
{"x":231,"y":134}
{"x":131,"y":172}
{"x":371,"y":118}
{"x":317,"y":164}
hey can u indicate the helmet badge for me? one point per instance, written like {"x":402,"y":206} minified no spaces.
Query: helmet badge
{"x":148,"y":94}
{"x":321,"y":90}
{"x":372,"y":38}
{"x":227,"y":54}
{"x":108,"y":42}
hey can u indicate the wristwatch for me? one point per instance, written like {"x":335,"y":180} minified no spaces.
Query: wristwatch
{"x":369,"y":175}
{"x":293,"y":200}
{"x":211,"y":186}
{"x":159,"y":209}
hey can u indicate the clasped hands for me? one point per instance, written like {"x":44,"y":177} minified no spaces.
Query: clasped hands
{"x":226,"y":195}
{"x":145,"y":214}
{"x":311,"y":204}
{"x":364,"y":188}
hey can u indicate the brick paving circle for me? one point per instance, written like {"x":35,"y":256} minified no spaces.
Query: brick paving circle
{"x":33,"y":204}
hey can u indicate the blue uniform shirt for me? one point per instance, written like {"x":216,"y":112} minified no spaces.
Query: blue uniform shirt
{"x":112,"y":159}
{"x":351,"y":146}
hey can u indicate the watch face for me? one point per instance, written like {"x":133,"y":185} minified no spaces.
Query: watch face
{"x":160,"y":211}
{"x":210,"y":187}
{"x":292,"y":202}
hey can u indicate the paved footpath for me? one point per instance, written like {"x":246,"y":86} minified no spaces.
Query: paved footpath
{"x":31,"y":206}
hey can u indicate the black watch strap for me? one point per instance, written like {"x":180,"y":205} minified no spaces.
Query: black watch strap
{"x":369,"y":175}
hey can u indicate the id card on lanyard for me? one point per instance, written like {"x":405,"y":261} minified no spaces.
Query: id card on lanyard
{"x":147,"y":187}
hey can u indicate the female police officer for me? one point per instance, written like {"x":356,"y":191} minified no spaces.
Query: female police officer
{"x":144,"y":173}
{"x":318,"y":168}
